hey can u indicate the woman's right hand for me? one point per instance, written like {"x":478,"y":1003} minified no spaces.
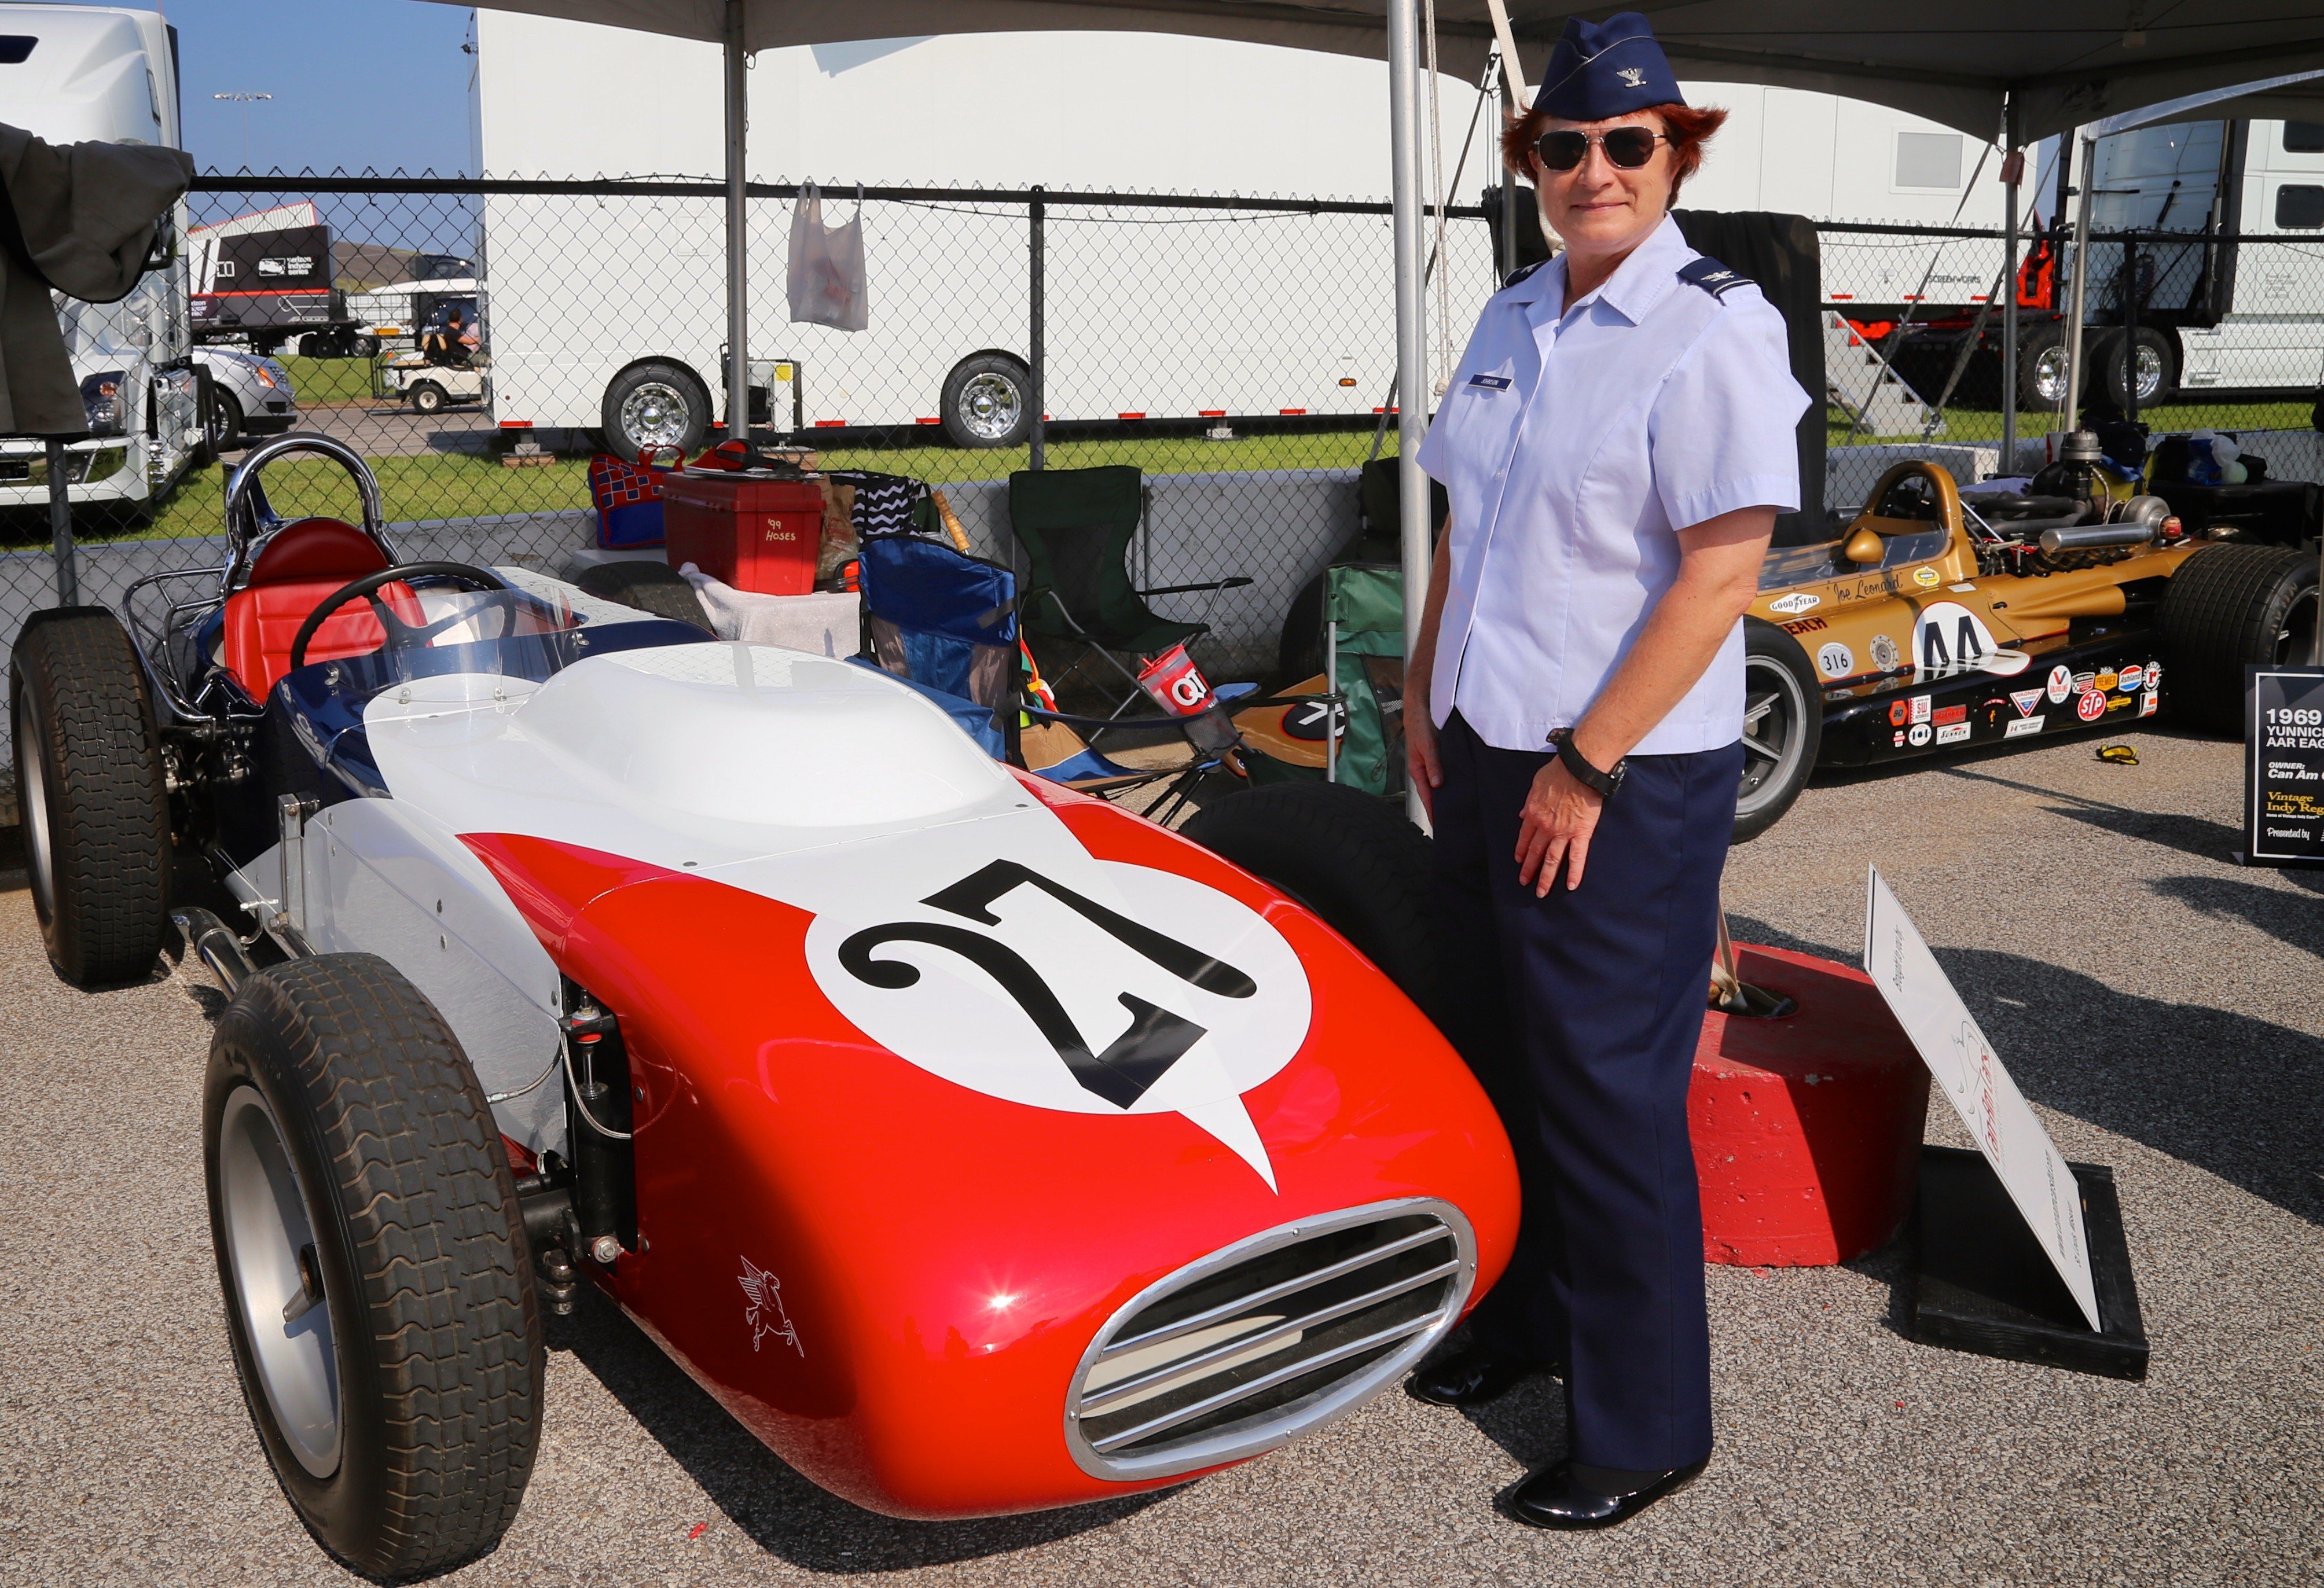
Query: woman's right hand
{"x":1420,"y":762}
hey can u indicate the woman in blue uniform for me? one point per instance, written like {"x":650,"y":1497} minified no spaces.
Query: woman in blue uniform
{"x":1615,"y":443}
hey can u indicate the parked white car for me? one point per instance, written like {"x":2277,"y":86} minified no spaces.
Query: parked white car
{"x":250,"y":395}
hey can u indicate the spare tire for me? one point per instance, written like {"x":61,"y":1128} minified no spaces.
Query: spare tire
{"x":649,"y":586}
{"x":2228,"y":607}
{"x":1350,"y":857}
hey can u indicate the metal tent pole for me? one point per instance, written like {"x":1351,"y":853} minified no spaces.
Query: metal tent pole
{"x":738,"y":235}
{"x":2012,"y":175}
{"x":61,"y":529}
{"x":1413,"y":389}
{"x":2070,"y":419}
{"x":1509,"y":262}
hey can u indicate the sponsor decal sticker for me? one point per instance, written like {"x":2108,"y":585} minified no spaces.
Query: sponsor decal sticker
{"x":1919,"y":734}
{"x":1927,"y":578}
{"x":2084,"y":682}
{"x":2121,"y":703}
{"x":1919,"y":708}
{"x":1805,"y":625}
{"x":1953,"y":733}
{"x":1799,"y":601}
{"x":1899,"y":714}
{"x":1836,"y":660}
{"x":1962,"y":589}
{"x":2023,"y":727}
{"x":763,"y":1313}
{"x":2131,"y":679}
{"x":2091,"y":706}
{"x":2026,"y":699}
{"x":2147,"y":703}
{"x":1885,"y":654}
{"x":2061,"y":685}
{"x":1945,"y":716}
{"x":1900,"y":740}
{"x":2103,"y":682}
{"x":1950,"y":638}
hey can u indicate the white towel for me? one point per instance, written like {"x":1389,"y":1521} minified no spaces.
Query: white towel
{"x":823,"y":624}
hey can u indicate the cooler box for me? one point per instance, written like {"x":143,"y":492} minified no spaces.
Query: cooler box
{"x":753,"y":531}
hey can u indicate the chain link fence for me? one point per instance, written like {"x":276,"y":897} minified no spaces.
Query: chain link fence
{"x":478,"y":340}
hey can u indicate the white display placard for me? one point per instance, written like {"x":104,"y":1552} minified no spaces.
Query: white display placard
{"x":1971,"y":1076}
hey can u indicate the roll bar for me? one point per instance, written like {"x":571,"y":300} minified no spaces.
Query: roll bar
{"x":250,"y":517}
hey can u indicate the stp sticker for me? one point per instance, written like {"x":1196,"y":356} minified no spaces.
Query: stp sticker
{"x":1927,"y":578}
{"x":2061,"y":685}
{"x":1836,"y":660}
{"x":1950,"y":638}
{"x":2026,"y":699}
{"x":1898,"y":714}
{"x":1885,"y":654}
{"x":1061,"y":981}
{"x":1800,"y":601}
{"x":2091,"y":706}
{"x":1919,"y":708}
{"x":2023,"y":727}
{"x":1944,"y":716}
{"x":1919,"y":734}
{"x":1953,"y":733}
{"x":2131,"y":679}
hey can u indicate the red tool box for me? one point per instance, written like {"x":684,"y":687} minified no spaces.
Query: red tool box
{"x":754,"y":531}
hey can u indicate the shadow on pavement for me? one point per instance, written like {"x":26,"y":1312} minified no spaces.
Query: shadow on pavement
{"x":780,"y":1511}
{"x":2294,"y":919}
{"x":2190,"y":835}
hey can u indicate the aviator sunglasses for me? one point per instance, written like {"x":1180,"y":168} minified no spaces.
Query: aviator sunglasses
{"x":1626,"y":147}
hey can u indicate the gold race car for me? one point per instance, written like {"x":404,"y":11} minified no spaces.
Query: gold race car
{"x":1942,"y":620}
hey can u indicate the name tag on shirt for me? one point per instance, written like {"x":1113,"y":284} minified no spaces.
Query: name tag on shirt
{"x":1490,"y":382}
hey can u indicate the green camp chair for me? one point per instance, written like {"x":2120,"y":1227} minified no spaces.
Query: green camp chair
{"x":1363,"y":661}
{"x":1076,"y":526}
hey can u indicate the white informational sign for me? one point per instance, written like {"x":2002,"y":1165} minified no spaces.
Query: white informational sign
{"x":1970,"y":1075}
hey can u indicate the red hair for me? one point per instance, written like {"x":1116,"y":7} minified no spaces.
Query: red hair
{"x":1687,"y":126}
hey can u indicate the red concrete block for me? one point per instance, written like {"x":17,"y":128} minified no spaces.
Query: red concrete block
{"x":1807,"y":1130}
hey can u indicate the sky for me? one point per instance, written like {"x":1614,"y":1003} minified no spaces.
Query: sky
{"x":356,"y":84}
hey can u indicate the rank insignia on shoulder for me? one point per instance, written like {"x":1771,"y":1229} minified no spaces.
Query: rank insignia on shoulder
{"x":1520,"y":273}
{"x":1712,"y":277}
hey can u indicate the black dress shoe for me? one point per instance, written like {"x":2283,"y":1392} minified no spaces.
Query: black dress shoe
{"x":1554,"y":1497}
{"x":1468,"y":1377}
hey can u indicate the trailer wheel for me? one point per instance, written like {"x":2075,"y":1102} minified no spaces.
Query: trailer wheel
{"x":366,"y":346}
{"x":2041,"y":368}
{"x":314,"y":344}
{"x":1350,"y":857}
{"x":2158,"y":372}
{"x":378,"y":1290}
{"x":1782,"y":727}
{"x":427,"y":398}
{"x":2228,"y":607}
{"x":988,"y":401}
{"x":654,"y":404}
{"x":90,"y":794}
{"x":650,"y":587}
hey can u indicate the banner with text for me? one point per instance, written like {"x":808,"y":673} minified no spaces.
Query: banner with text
{"x":2283,"y":764}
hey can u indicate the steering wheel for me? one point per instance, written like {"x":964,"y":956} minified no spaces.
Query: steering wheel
{"x":403,"y":636}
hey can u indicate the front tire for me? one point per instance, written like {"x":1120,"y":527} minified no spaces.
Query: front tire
{"x":988,"y":401}
{"x":1782,"y":727}
{"x":1349,"y":856}
{"x":91,"y":791}
{"x":655,"y":405}
{"x":2229,"y":607}
{"x":372,"y":1255}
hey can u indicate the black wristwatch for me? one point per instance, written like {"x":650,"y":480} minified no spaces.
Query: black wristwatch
{"x":1603,"y":783}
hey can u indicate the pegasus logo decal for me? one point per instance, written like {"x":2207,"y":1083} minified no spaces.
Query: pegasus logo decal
{"x":1633,"y":77}
{"x":765,"y":1313}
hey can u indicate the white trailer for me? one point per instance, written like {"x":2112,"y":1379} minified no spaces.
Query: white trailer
{"x":80,"y":73}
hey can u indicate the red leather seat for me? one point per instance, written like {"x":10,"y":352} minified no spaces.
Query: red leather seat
{"x":305,"y":562}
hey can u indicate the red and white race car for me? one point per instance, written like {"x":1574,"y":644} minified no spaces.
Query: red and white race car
{"x":981,"y":1146}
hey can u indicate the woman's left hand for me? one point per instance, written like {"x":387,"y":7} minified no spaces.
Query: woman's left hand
{"x":1560,"y":815}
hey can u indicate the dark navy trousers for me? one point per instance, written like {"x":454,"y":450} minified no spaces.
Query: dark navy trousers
{"x":1580,"y":1013}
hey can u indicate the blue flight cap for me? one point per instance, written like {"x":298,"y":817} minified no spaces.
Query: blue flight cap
{"x":1602,"y":69}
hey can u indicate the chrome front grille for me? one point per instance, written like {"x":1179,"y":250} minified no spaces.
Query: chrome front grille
{"x":1269,"y":1337}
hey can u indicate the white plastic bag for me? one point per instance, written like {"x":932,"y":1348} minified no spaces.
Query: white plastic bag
{"x":826,"y":275}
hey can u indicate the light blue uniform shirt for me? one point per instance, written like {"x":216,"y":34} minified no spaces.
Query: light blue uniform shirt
{"x":1574,"y":445}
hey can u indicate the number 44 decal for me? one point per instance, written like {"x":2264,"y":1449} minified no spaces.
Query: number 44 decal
{"x":1950,"y":638}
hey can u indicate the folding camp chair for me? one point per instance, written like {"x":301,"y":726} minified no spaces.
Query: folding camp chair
{"x":1076,"y":527}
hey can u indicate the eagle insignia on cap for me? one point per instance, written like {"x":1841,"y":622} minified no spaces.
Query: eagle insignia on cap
{"x":1633,"y":77}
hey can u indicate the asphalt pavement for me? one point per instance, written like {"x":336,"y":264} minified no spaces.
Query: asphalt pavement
{"x":2159,"y":1004}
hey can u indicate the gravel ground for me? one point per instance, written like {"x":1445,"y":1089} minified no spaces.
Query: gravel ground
{"x":2156,"y":1003}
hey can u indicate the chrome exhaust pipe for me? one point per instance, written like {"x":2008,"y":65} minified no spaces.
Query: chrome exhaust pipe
{"x":213,"y":942}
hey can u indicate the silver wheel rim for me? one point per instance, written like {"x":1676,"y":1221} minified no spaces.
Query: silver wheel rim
{"x":656,"y":413}
{"x":32,"y":794}
{"x":2050,"y":374}
{"x":1775,"y":708}
{"x":2149,"y":363}
{"x":990,"y":405}
{"x":2294,"y":642}
{"x":266,"y":1226}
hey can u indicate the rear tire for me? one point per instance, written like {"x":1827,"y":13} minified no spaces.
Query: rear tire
{"x":1350,"y":857}
{"x":654,"y":404}
{"x":650,"y":587}
{"x":350,"y":1151}
{"x":2154,"y":355}
{"x":1782,"y":727}
{"x":90,"y":794}
{"x":427,"y":398}
{"x":2041,"y":368}
{"x":2229,"y":607}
